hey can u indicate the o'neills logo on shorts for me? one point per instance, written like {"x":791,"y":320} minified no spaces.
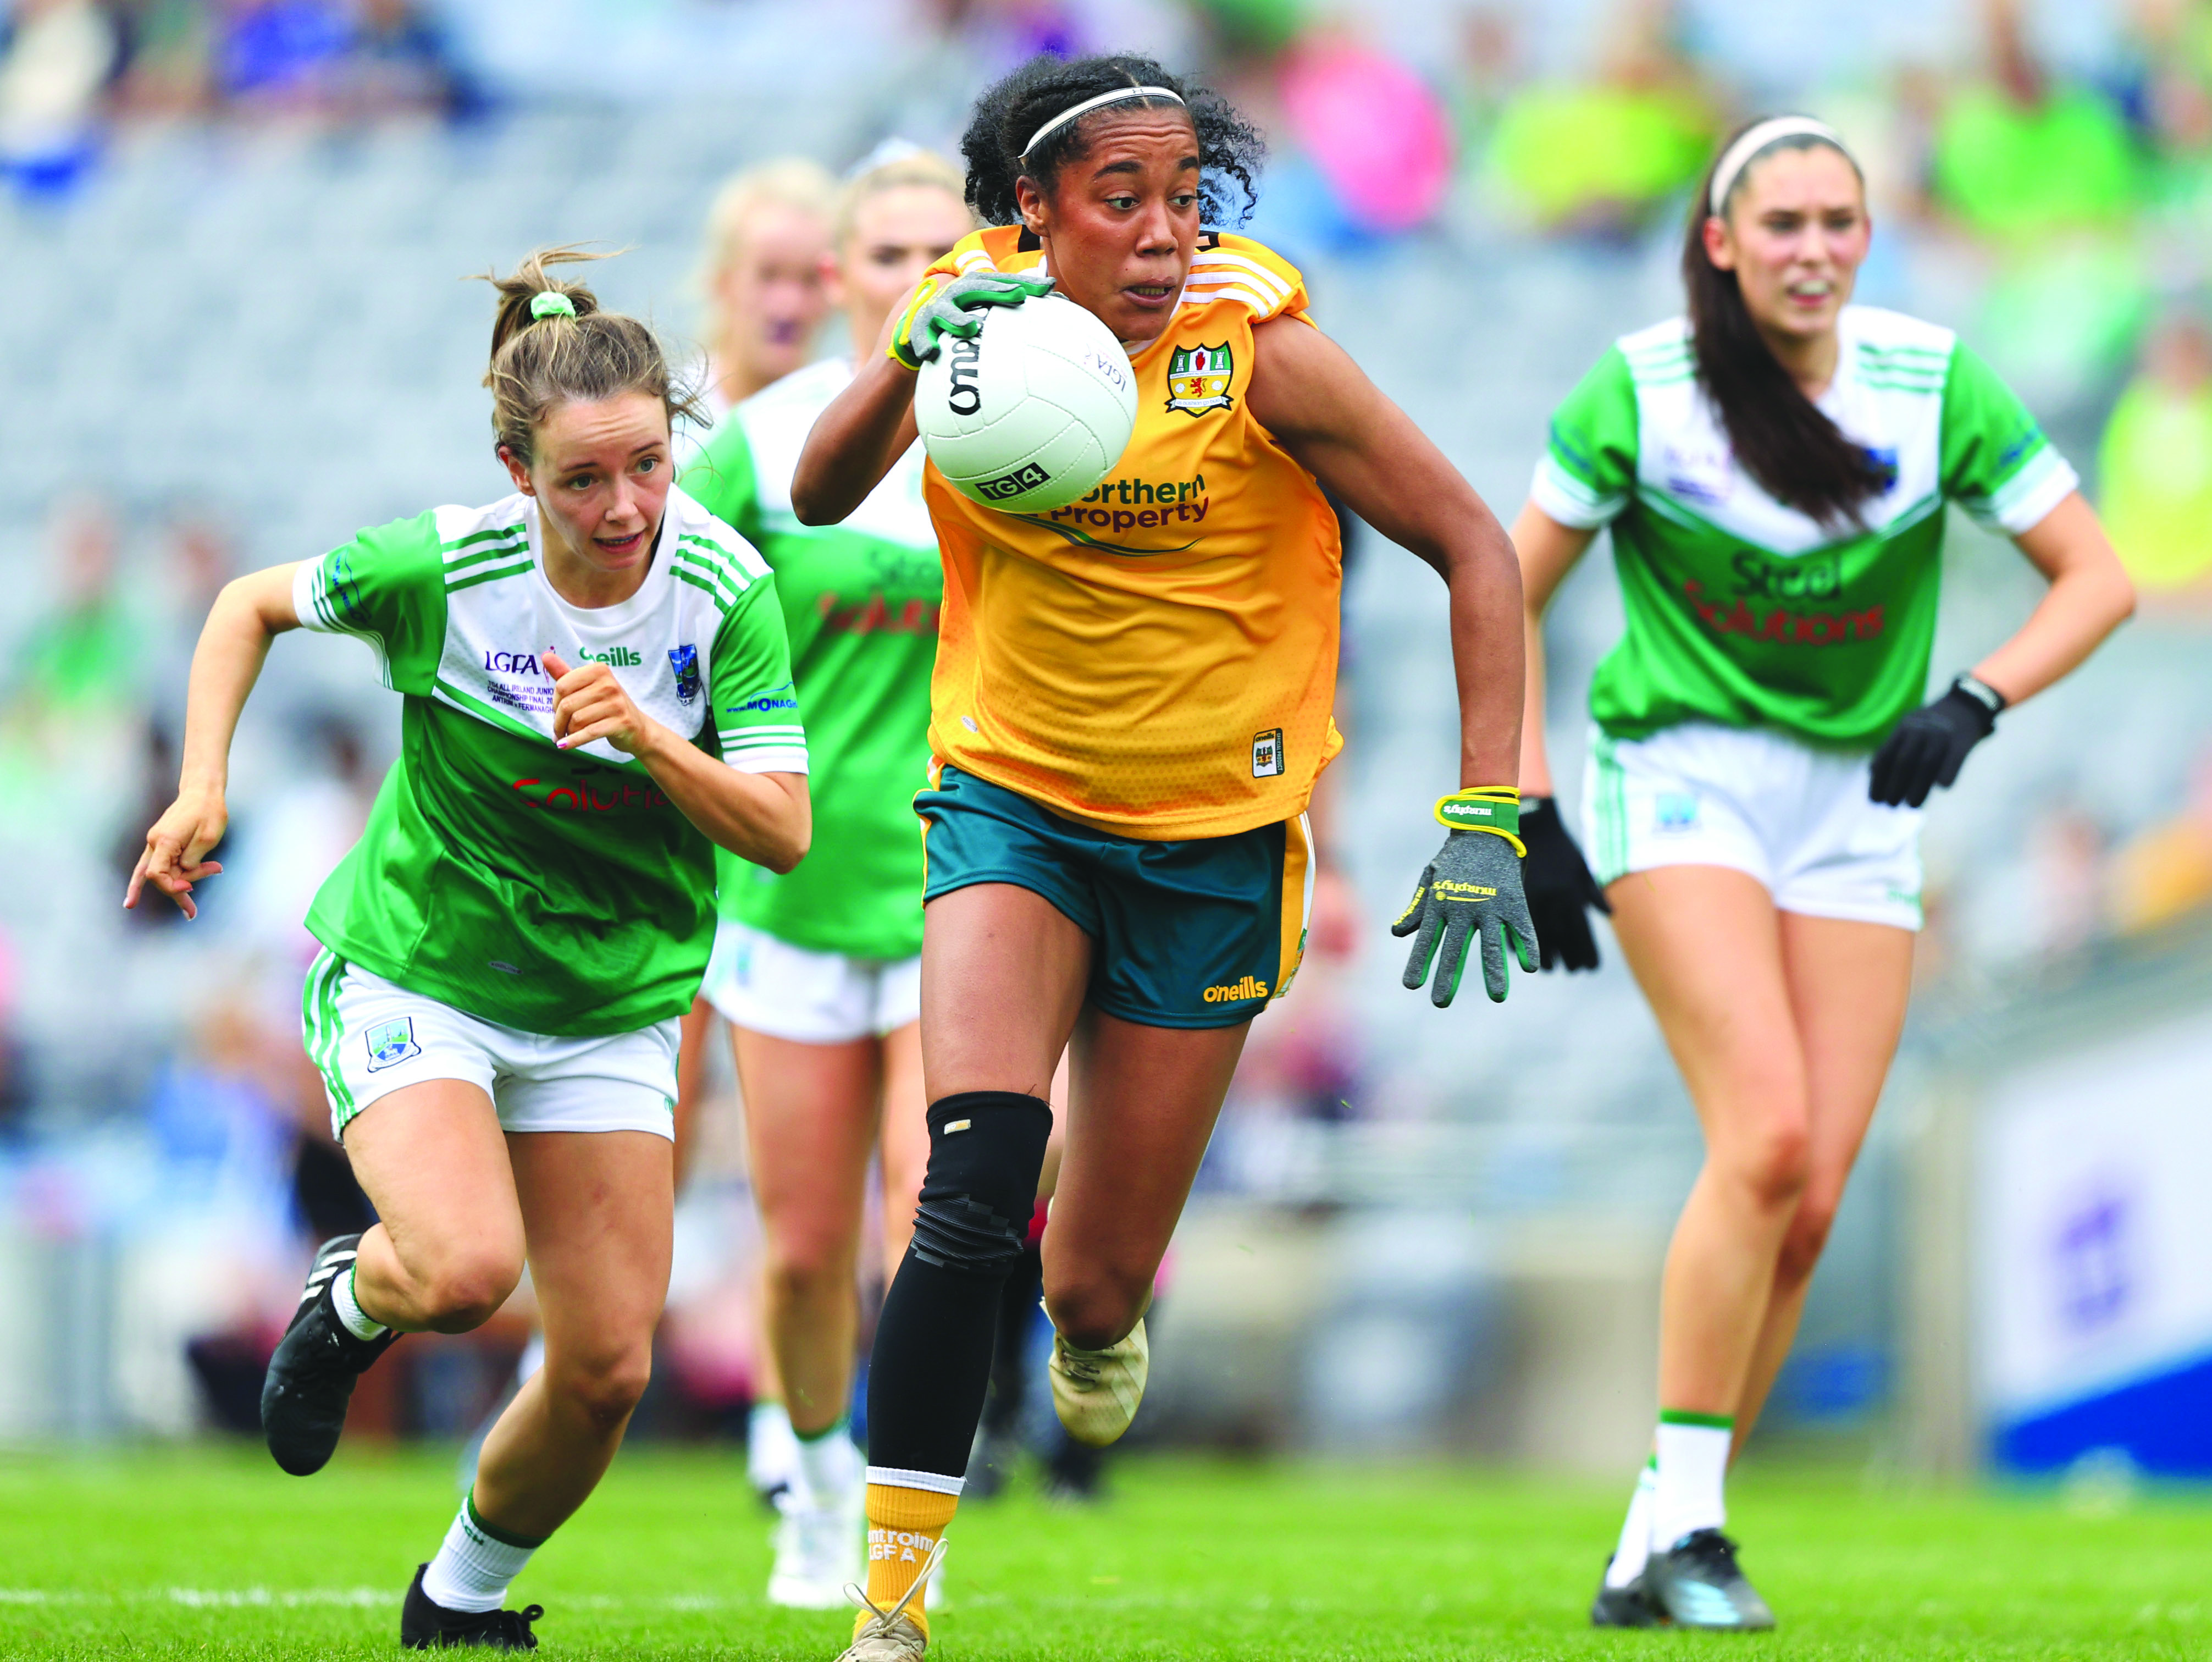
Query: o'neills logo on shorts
{"x":1237,"y":991}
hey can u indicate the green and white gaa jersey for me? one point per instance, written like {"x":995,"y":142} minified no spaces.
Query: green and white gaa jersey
{"x":558,"y":891}
{"x":860,"y":600}
{"x":1748,"y":613}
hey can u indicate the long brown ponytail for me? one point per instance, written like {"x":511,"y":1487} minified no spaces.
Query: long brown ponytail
{"x":1794,"y":453}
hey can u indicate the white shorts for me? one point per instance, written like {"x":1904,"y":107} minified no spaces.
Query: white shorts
{"x":772,"y":987}
{"x":370,"y":1037}
{"x":1796,"y":818}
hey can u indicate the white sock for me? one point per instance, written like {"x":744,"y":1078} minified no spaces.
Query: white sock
{"x":361,"y":1326}
{"x":1694,"y":1457}
{"x":473,"y":1568}
{"x":1635,"y":1548}
{"x":771,"y":1447}
{"x":829,"y":1466}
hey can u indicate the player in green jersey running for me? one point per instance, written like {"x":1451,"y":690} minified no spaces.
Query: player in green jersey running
{"x":1774,"y":469}
{"x":598,"y":694}
{"x":819,"y":970}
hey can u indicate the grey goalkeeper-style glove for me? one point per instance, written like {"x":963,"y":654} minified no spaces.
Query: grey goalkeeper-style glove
{"x":950,"y":308}
{"x":1473,"y":888}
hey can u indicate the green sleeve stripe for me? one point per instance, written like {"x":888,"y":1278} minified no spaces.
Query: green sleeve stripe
{"x":1570,"y":484}
{"x":1940,"y":354}
{"x":682,"y":573}
{"x":2032,"y":475}
{"x":727,"y":589}
{"x":505,"y":532}
{"x":454,"y":585}
{"x":469,"y":705}
{"x":455,"y":563}
{"x":779,"y":737}
{"x":741,"y":568}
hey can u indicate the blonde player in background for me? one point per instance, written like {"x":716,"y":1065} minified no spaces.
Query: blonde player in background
{"x":819,"y":972}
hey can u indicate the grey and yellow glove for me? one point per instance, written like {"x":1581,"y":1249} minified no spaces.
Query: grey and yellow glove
{"x":1473,"y":888}
{"x":952,"y":306}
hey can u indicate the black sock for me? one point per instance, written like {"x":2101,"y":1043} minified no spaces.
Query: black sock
{"x":932,"y":1362}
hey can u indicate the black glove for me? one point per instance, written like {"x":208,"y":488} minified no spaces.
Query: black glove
{"x":1930,"y":745}
{"x":1472,"y":886}
{"x":1562,"y":893}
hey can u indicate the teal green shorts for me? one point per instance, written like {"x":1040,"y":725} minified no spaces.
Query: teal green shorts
{"x":1197,"y":933}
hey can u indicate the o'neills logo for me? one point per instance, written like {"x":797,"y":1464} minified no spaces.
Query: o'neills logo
{"x":1237,"y":991}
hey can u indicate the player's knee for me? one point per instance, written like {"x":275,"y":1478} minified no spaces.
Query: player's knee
{"x":465,"y":1290}
{"x":1771,"y":1156}
{"x":985,"y":1149}
{"x":1097,"y":1306}
{"x":806,"y":1269}
{"x":603,"y":1385}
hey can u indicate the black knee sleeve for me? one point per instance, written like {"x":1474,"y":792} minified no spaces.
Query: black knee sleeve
{"x":934,"y":1342}
{"x":986,"y":1152}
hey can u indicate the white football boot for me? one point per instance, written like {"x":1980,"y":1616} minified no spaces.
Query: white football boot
{"x":821,"y":1538}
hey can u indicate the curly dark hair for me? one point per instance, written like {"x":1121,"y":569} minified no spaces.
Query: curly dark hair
{"x":1231,"y":150}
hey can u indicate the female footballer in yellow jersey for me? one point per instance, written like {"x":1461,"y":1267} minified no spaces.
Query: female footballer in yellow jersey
{"x":1130,"y":706}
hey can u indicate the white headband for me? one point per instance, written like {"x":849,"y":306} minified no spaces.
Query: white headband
{"x":1758,"y":139}
{"x":1089,"y":104}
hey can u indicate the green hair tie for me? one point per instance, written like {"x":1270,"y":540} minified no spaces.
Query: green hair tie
{"x":551,"y":302}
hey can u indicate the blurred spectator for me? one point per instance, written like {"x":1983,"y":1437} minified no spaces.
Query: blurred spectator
{"x":2166,"y":871}
{"x":280,"y":57}
{"x":72,"y":694}
{"x":15,"y":1093}
{"x":299,"y":833}
{"x":170,"y":69}
{"x":57,"y":60}
{"x":2022,"y":154}
{"x":2156,"y":465}
{"x":1603,"y":157}
{"x":401,"y":62}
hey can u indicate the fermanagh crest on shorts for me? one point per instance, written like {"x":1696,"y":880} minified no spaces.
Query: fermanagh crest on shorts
{"x":391,"y":1043}
{"x":1199,"y":378}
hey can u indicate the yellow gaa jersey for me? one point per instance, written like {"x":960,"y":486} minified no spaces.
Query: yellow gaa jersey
{"x":1159,"y":659}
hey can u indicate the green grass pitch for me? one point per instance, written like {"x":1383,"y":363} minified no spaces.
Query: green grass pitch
{"x":212,"y":1553}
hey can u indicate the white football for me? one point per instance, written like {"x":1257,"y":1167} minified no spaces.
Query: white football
{"x":1032,"y":411}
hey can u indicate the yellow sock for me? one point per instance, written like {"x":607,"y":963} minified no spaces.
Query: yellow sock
{"x":903,"y":1525}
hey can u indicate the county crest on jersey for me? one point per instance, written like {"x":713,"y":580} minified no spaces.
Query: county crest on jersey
{"x":1199,"y":378}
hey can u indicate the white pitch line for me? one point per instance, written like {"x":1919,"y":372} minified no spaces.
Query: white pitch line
{"x":350,"y":1597}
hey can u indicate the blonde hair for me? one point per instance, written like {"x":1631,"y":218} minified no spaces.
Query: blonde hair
{"x":571,"y":354}
{"x":790,"y":182}
{"x":910,"y":166}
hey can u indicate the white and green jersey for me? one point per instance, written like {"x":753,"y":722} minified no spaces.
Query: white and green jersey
{"x":557,"y":892}
{"x":860,"y":600}
{"x":1747,"y":613}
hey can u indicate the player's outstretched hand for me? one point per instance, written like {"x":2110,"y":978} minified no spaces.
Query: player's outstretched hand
{"x":1930,"y":745}
{"x":1562,"y":893}
{"x":1471,"y":887}
{"x":177,"y":849}
{"x":588,"y":703}
{"x":951,"y":308}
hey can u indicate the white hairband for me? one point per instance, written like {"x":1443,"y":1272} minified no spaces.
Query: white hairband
{"x":1758,"y":139}
{"x":1089,"y":104}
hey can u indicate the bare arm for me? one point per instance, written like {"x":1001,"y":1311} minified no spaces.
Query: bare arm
{"x":249,"y":613}
{"x":866,"y":428}
{"x":765,"y":817}
{"x":2089,"y":596}
{"x":1548,"y":552}
{"x":1323,"y":409}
